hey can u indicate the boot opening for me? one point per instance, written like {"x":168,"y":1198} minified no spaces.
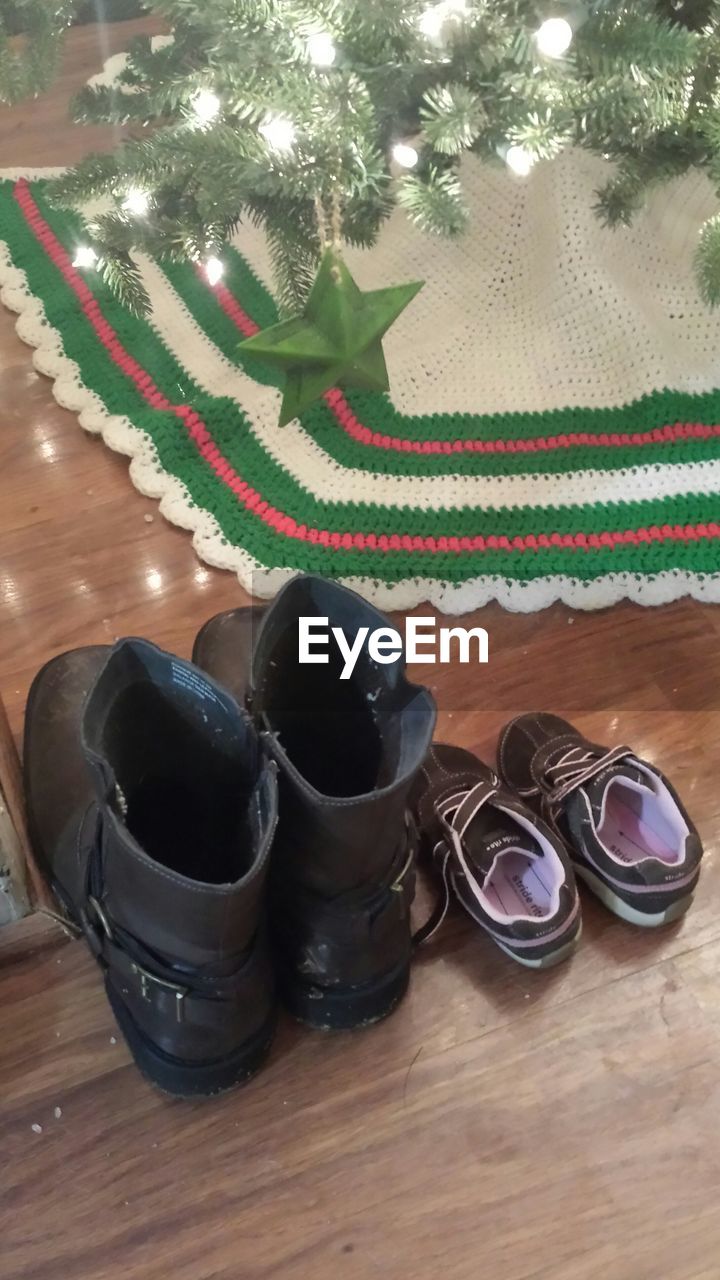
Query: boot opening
{"x":185,"y":781}
{"x":346,"y":737}
{"x":325,"y":725}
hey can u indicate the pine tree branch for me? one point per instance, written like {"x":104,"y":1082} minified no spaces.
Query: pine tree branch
{"x":707,"y":261}
{"x":434,"y":202}
{"x":31,"y":32}
{"x":452,"y":117}
{"x":640,"y":84}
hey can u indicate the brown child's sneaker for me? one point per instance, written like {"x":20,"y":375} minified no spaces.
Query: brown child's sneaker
{"x":506,"y":866}
{"x":627,"y":831}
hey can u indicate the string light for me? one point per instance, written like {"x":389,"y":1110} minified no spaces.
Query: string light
{"x":85,"y":256}
{"x":136,"y":201}
{"x":321,"y":49}
{"x":214,"y":270}
{"x":278,"y":132}
{"x":206,"y":105}
{"x":553,"y":37}
{"x":519,"y":160}
{"x":433,"y":19}
{"x":431,"y":22}
{"x":404,"y":155}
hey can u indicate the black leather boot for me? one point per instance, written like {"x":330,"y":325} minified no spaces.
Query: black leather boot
{"x":152,"y":811}
{"x":348,"y":750}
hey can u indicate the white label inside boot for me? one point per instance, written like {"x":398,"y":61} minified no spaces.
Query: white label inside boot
{"x":194,"y":683}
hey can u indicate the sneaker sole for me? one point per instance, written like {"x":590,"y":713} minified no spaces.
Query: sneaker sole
{"x":543,"y":962}
{"x":548,"y":961}
{"x":625,"y":911}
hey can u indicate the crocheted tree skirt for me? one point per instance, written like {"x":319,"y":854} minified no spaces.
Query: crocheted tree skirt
{"x":552,"y":431}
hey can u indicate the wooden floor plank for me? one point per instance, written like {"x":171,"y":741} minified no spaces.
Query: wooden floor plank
{"x":529,"y":1142}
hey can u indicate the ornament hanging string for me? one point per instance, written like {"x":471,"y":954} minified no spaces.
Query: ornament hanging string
{"x":329,"y":229}
{"x":336,"y":219}
{"x":321,"y":219}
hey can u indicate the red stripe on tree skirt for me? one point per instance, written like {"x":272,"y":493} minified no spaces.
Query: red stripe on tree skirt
{"x":253,"y":501}
{"x":230,"y":305}
{"x":537,"y":444}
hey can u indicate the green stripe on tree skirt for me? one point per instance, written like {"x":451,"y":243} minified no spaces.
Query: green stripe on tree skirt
{"x":378,"y":414}
{"x":231,"y":431}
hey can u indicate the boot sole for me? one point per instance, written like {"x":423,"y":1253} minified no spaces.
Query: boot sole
{"x":178,"y":1078}
{"x":344,"y":1008}
{"x":172,"y":1076}
{"x":182,"y":1079}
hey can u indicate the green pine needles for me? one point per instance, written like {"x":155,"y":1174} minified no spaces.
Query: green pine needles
{"x":315,"y":118}
{"x":30,"y":36}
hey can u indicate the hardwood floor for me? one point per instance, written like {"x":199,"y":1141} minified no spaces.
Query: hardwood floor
{"x":561,"y":1126}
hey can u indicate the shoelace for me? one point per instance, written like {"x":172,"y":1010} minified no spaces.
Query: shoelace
{"x":571,"y":770}
{"x":455,"y":812}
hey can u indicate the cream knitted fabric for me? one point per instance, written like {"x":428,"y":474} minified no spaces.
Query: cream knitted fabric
{"x":552,"y":430}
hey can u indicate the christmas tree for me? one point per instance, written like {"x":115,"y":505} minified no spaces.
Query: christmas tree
{"x":316,"y":118}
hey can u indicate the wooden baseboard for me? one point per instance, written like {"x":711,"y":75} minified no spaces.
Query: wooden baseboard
{"x":23,"y":869}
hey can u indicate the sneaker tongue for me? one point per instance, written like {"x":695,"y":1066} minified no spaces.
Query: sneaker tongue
{"x":595,"y":789}
{"x":482,"y":850}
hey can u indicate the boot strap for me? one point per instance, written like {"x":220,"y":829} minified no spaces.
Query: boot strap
{"x":369,"y":898}
{"x":119,"y":951}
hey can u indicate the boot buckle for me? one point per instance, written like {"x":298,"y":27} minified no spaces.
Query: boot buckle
{"x":95,"y":926}
{"x":411,"y":836}
{"x":149,"y":980}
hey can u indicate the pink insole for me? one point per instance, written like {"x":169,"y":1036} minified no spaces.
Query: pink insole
{"x":519,"y":885}
{"x":630,"y":837}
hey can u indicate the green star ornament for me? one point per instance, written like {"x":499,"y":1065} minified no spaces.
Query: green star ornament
{"x":336,"y":342}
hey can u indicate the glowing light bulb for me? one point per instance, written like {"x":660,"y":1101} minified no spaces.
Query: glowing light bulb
{"x":206,"y":105}
{"x":85,"y":256}
{"x":431,"y":21}
{"x":553,"y":37}
{"x":278,"y":132}
{"x":321,"y":49}
{"x":214,"y":270}
{"x":404,"y":155}
{"x":136,"y":201}
{"x":519,"y":160}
